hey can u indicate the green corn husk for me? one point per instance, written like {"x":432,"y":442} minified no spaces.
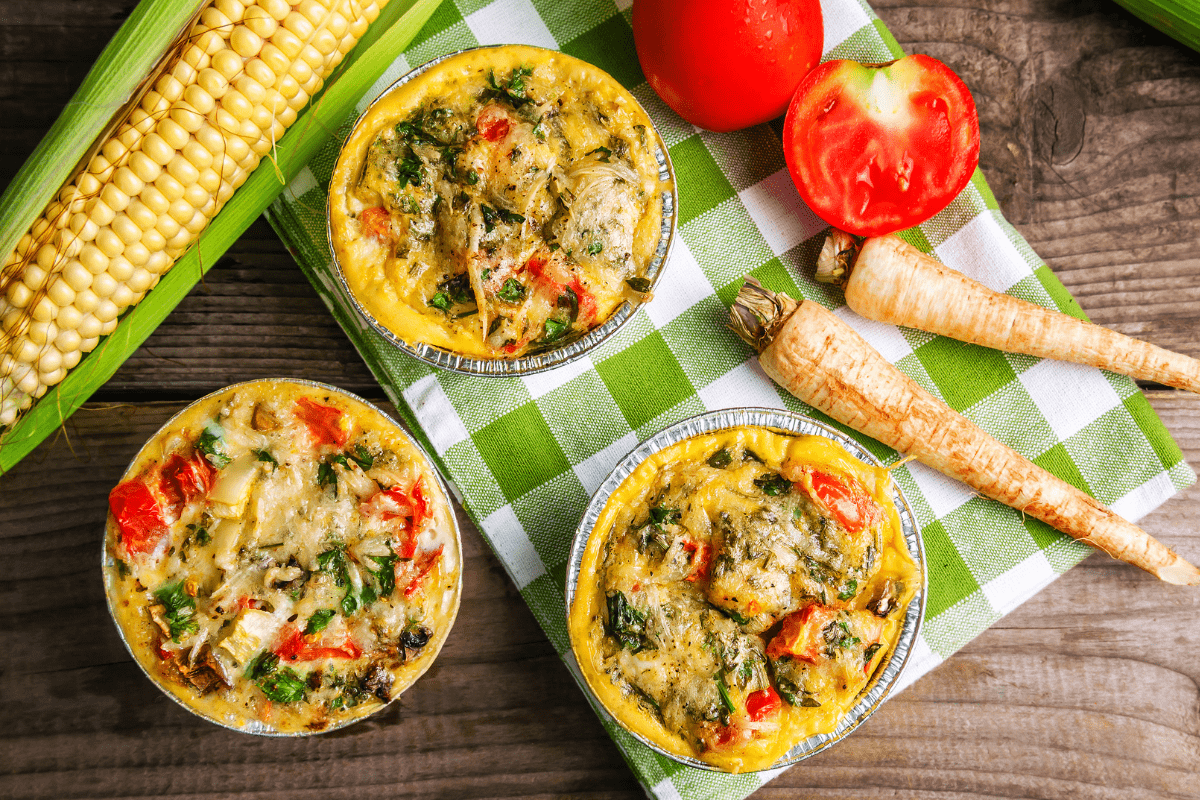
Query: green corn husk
{"x":125,"y":62}
{"x":1179,"y":19}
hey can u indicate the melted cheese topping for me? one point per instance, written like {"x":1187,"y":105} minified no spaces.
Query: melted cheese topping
{"x":502,"y":203}
{"x":724,"y":574}
{"x":281,"y":559}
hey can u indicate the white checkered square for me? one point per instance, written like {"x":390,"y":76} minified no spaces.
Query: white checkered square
{"x":510,"y":22}
{"x":1070,"y":396}
{"x":1011,"y":588}
{"x":1151,"y":494}
{"x":390,"y":75}
{"x":887,"y":339}
{"x":941,"y":493}
{"x":682,"y":285}
{"x":841,"y":20}
{"x":980,"y":250}
{"x":543,"y":383}
{"x":744,"y":386}
{"x":593,"y":470}
{"x":435,"y":413}
{"x":776,"y":208}
{"x":512,"y":544}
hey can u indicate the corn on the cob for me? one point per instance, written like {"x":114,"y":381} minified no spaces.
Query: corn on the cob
{"x":228,"y":92}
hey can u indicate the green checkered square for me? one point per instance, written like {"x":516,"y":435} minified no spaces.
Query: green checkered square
{"x":508,"y":447}
{"x":965,"y":373}
{"x":609,"y":46}
{"x":456,"y":37}
{"x":1113,"y":438}
{"x":547,"y":511}
{"x":689,"y":407}
{"x":728,"y":150}
{"x":911,"y":366}
{"x":725,"y":242}
{"x":567,"y":22}
{"x":703,"y":343}
{"x":445,"y":16}
{"x":962,"y":209}
{"x":1148,"y":423}
{"x":990,"y":540}
{"x":1011,"y":416}
{"x":960,"y":622}
{"x":943,"y":558}
{"x":707,"y":186}
{"x":481,"y":402}
{"x":1062,"y":298}
{"x":544,"y":596}
{"x":645,"y":380}
{"x":583,"y":435}
{"x":472,"y":474}
{"x":1057,"y":461}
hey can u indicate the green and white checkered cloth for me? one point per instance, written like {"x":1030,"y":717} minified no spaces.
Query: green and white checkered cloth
{"x":526,"y":453}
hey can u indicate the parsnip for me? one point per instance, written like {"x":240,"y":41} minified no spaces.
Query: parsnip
{"x":825,"y":363}
{"x":889,"y":280}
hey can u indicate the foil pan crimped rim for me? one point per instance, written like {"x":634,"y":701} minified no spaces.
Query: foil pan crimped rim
{"x":257,"y":727}
{"x":885,"y":677}
{"x":538,"y":362}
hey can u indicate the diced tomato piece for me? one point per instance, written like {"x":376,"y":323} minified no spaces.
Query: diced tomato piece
{"x":245,"y":602}
{"x":493,"y":123}
{"x":800,"y":636}
{"x":700,"y":560}
{"x":296,"y":646}
{"x":139,"y":516}
{"x":846,"y":499}
{"x":324,"y":422}
{"x":762,"y":704}
{"x":377,"y":222}
{"x":185,"y":479}
{"x":419,"y":569}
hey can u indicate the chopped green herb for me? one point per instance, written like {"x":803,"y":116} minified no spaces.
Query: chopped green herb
{"x":362,"y":457}
{"x":773,"y":484}
{"x":495,"y":325}
{"x":472,"y":177}
{"x":513,"y":291}
{"x":554,"y":330}
{"x":595,"y":247}
{"x":555,"y":246}
{"x":202,"y":536}
{"x":570,"y":301}
{"x":604,"y":152}
{"x":261,"y":665}
{"x":408,"y":204}
{"x":726,"y":700}
{"x":736,"y":617}
{"x":263,"y":455}
{"x":639,"y":284}
{"x":319,"y":620}
{"x":849,"y":590}
{"x":385,"y":575}
{"x":665,"y":516}
{"x":210,"y":443}
{"x":870,"y":652}
{"x":283,"y":686}
{"x":441,"y":300}
{"x":408,"y":171}
{"x":458,"y":289}
{"x":625,"y":623}
{"x":326,"y":476}
{"x":512,"y":90}
{"x":179,"y":608}
{"x":720,"y":459}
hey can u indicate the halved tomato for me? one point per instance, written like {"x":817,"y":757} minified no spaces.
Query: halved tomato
{"x":876,"y":148}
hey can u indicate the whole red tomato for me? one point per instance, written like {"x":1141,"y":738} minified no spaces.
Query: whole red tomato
{"x":727,"y":64}
{"x":876,"y":148}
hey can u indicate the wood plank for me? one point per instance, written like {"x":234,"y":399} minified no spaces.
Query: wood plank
{"x":1089,"y":690}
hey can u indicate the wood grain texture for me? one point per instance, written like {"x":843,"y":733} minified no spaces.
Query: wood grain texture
{"x":1091,"y":126}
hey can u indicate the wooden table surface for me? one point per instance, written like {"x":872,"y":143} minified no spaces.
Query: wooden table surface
{"x":1091,"y":142}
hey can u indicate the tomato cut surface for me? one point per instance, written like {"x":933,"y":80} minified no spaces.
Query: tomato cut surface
{"x":376,"y":222}
{"x":847,"y":500}
{"x":762,"y":704}
{"x":800,"y":635}
{"x":875,"y":149}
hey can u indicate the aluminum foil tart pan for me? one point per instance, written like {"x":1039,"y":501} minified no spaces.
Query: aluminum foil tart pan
{"x":887,"y":672}
{"x":281,"y":558}
{"x":567,"y":352}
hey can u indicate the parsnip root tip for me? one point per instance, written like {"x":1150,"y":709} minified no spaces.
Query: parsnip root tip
{"x":1181,"y":573}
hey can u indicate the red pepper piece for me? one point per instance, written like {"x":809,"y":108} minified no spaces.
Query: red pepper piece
{"x":847,"y":500}
{"x":493,"y":123}
{"x":377,"y":222}
{"x":139,"y":516}
{"x":762,"y":704}
{"x":297,"y":646}
{"x":422,"y":566}
{"x":324,"y":422}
